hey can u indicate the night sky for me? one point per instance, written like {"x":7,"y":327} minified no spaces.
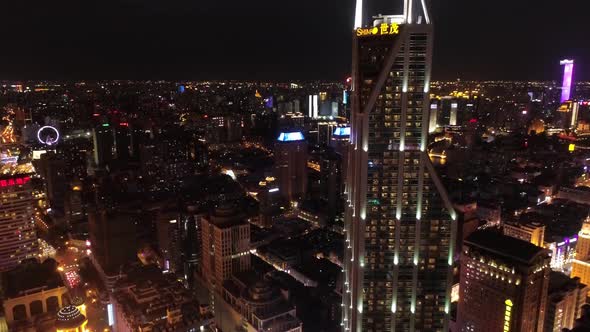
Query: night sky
{"x":277,"y":39}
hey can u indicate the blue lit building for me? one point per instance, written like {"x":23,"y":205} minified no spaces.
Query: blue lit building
{"x":340,"y":142}
{"x":291,"y":137}
{"x":342,"y":131}
{"x":291,"y":165}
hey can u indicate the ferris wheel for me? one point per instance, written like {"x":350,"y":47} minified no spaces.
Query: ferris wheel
{"x":48,"y":135}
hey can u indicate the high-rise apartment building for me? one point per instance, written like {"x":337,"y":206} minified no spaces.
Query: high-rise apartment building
{"x":114,"y":234}
{"x":340,"y":142}
{"x":400,"y":224}
{"x":103,"y":140}
{"x":453,"y":114}
{"x":52,"y":168}
{"x":18,"y":240}
{"x":291,"y":165}
{"x":565,"y":299}
{"x":581,"y":264}
{"x":503,"y":285}
{"x":225,"y":244}
{"x":433,"y":117}
{"x":123,"y":141}
{"x":191,"y":243}
{"x":532,"y":232}
{"x":170,"y":240}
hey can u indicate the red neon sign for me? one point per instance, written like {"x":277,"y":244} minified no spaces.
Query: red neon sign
{"x":14,"y":182}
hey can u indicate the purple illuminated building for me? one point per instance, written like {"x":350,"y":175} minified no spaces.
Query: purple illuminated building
{"x":563,"y":250}
{"x":269,"y":102}
{"x":568,"y":71}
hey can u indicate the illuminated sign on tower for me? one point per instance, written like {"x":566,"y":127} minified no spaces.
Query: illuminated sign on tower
{"x":382,"y":29}
{"x":568,"y":71}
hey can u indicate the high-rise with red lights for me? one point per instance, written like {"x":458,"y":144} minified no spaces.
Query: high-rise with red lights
{"x":18,"y":240}
{"x":400,"y":224}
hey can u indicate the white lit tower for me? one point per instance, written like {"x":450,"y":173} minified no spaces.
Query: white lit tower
{"x":400,"y":225}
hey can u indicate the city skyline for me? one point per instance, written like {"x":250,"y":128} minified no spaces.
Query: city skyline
{"x":189,"y":40}
{"x":354,"y":166}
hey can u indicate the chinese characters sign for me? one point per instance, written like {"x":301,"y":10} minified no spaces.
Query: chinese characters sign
{"x":15,"y":181}
{"x":382,"y":29}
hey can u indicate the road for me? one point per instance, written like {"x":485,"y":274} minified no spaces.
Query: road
{"x":70,"y":258}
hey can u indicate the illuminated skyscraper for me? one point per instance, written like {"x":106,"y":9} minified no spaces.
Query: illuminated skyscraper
{"x":581,"y":264}
{"x":122,"y":141}
{"x":291,"y":165}
{"x":453,"y":116}
{"x":400,"y":226}
{"x":568,"y":72}
{"x":433,"y":117}
{"x":565,"y":299}
{"x":226,"y":246}
{"x":103,"y":144}
{"x":18,"y":240}
{"x":313,"y":106}
{"x":52,"y":169}
{"x":504,"y":284}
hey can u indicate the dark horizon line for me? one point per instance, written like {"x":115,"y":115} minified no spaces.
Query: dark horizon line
{"x":275,"y":81}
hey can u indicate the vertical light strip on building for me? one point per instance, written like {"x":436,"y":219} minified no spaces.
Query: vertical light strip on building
{"x":507,"y":315}
{"x":566,"y":86}
{"x":453,"y":116}
{"x":110,"y":315}
{"x":315,"y":106}
{"x":575,"y":112}
{"x":432,"y":118}
{"x":406,"y":5}
{"x":358,"y":14}
{"x":426,"y":15}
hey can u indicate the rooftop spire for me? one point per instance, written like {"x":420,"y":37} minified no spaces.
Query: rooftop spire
{"x":415,"y":12}
{"x":358,"y":14}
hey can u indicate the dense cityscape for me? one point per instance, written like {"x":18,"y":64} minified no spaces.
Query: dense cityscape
{"x":383,"y":201}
